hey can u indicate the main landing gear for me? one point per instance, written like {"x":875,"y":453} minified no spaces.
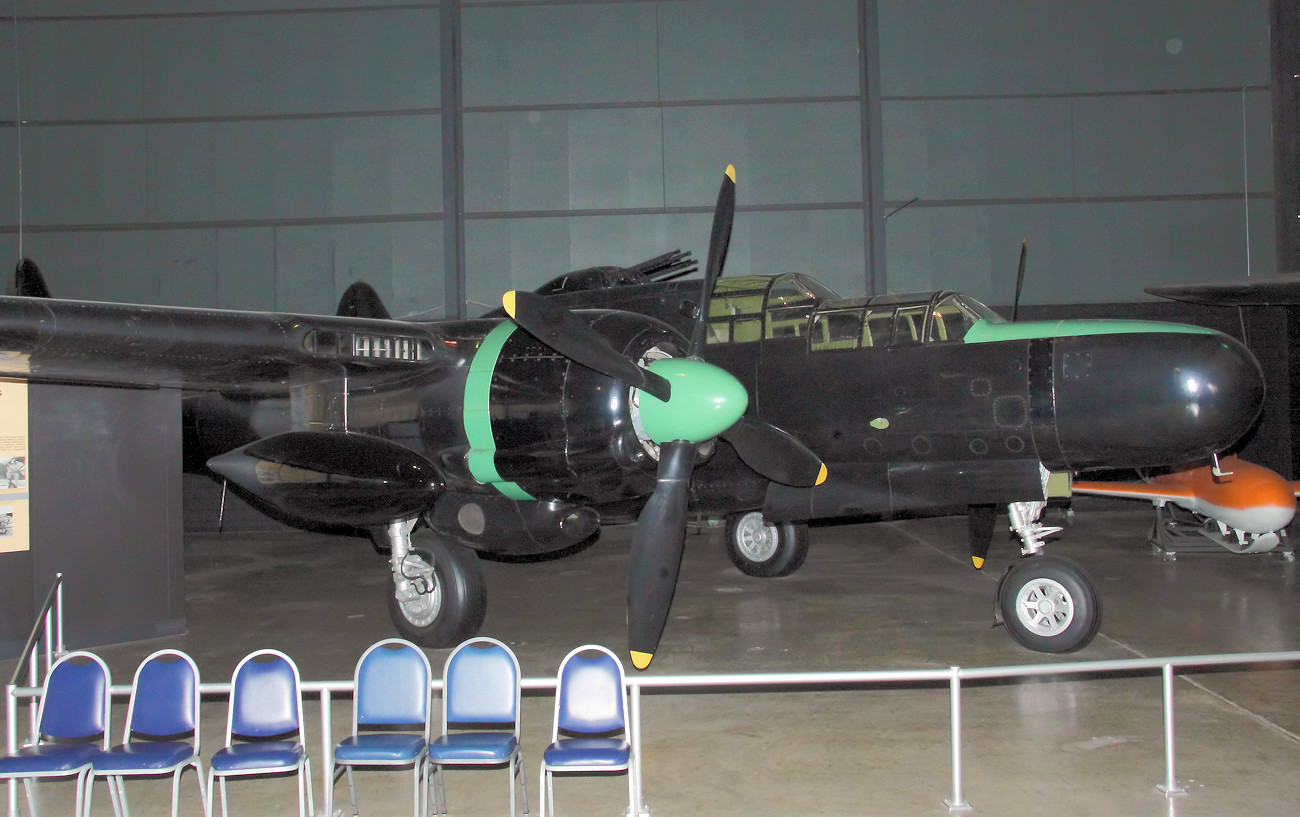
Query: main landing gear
{"x":438,"y":596}
{"x":1048,"y":603}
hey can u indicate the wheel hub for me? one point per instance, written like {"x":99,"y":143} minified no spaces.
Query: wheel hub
{"x":1045,"y":606}
{"x":756,"y":539}
{"x":418,"y":591}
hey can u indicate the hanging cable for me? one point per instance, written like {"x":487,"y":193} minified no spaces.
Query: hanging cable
{"x":18,"y":121}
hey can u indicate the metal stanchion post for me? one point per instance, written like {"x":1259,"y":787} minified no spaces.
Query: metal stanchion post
{"x":1170,"y":787}
{"x":637,"y":794}
{"x":958,"y":801}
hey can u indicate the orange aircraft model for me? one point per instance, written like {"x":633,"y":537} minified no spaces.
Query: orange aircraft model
{"x":1237,"y":504}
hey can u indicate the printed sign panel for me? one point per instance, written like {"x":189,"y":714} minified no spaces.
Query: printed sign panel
{"x":15,"y":520}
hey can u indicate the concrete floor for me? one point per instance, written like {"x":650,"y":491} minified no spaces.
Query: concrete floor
{"x":891,"y":595}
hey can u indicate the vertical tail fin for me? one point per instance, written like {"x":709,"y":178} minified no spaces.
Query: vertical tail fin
{"x":28,"y":281}
{"x":361,"y":301}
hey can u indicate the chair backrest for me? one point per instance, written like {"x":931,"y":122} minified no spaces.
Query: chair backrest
{"x":164,"y":697}
{"x":392,"y":686}
{"x":75,"y":699}
{"x":265,"y":700}
{"x":590,"y":695}
{"x":480,"y":685}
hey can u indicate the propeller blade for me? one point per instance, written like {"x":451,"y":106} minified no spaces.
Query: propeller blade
{"x":657,"y":552}
{"x":574,"y":338}
{"x":981,"y":521}
{"x":724,"y":213}
{"x":776,"y":454}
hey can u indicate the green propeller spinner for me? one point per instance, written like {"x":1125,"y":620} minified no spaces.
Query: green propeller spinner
{"x":705,"y":402}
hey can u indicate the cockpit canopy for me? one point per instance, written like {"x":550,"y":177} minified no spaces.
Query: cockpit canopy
{"x":750,"y":308}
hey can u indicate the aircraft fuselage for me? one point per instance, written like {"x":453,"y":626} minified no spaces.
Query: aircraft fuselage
{"x":915,"y":403}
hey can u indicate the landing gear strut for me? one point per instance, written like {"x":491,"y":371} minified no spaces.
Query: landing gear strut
{"x":1048,"y":603}
{"x":438,"y":597}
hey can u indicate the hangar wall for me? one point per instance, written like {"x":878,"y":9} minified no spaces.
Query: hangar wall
{"x":265,"y":156}
{"x":257,"y":155}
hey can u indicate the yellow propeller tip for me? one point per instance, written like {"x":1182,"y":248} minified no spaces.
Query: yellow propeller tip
{"x":977,"y":561}
{"x":821,"y":475}
{"x":641,"y":660}
{"x":731,"y":173}
{"x":508,"y":301}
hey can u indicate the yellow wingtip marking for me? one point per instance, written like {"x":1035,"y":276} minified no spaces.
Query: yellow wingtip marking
{"x":641,"y":660}
{"x":731,"y":173}
{"x":821,"y":475}
{"x":978,"y":561}
{"x":508,"y":301}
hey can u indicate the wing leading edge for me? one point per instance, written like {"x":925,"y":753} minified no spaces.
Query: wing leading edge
{"x":64,"y":341}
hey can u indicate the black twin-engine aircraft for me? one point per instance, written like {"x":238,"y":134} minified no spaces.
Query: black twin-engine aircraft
{"x":613,"y":394}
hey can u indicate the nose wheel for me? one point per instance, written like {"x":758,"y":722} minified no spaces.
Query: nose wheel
{"x":1049,"y":604}
{"x":762,"y":549}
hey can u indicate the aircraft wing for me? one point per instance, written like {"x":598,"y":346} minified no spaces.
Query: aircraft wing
{"x":1260,"y":290}
{"x":93,"y":343}
{"x":1133,"y":490}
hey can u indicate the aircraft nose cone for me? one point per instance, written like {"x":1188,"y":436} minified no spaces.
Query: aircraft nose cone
{"x":1158,"y":398}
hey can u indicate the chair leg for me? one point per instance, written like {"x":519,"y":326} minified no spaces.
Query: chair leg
{"x":544,"y":794}
{"x":439,"y":784}
{"x":523,"y":782}
{"x":302,"y":799}
{"x":90,"y":793}
{"x":31,"y":801}
{"x":82,"y":777}
{"x":352,"y":790}
{"x":415,"y":788}
{"x":176,"y":790}
{"x":120,"y":784}
{"x":203,"y":795}
{"x":311,"y":799}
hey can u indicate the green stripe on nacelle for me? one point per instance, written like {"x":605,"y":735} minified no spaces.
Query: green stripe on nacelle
{"x":481,"y":457}
{"x":705,"y":401}
{"x":990,"y":331}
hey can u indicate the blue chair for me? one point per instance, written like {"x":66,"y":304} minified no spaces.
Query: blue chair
{"x":480,"y":716}
{"x":72,"y":726}
{"x":391,"y":692}
{"x":590,"y":735}
{"x":264,"y":732}
{"x":162,"y":730}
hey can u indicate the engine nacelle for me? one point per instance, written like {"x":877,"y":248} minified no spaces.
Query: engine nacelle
{"x":557,"y":428}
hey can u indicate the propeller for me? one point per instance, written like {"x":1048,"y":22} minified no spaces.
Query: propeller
{"x":981,"y":521}
{"x":684,"y":401}
{"x":574,"y":338}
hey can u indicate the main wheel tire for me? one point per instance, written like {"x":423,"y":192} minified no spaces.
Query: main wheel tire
{"x":442,"y":605}
{"x":764,"y":550}
{"x":1049,"y":604}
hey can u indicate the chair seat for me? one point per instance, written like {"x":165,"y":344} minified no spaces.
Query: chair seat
{"x":244,"y":757}
{"x":49,"y":758}
{"x":145,"y":756}
{"x":612,"y":753}
{"x":473,"y":747}
{"x":386,"y":748}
